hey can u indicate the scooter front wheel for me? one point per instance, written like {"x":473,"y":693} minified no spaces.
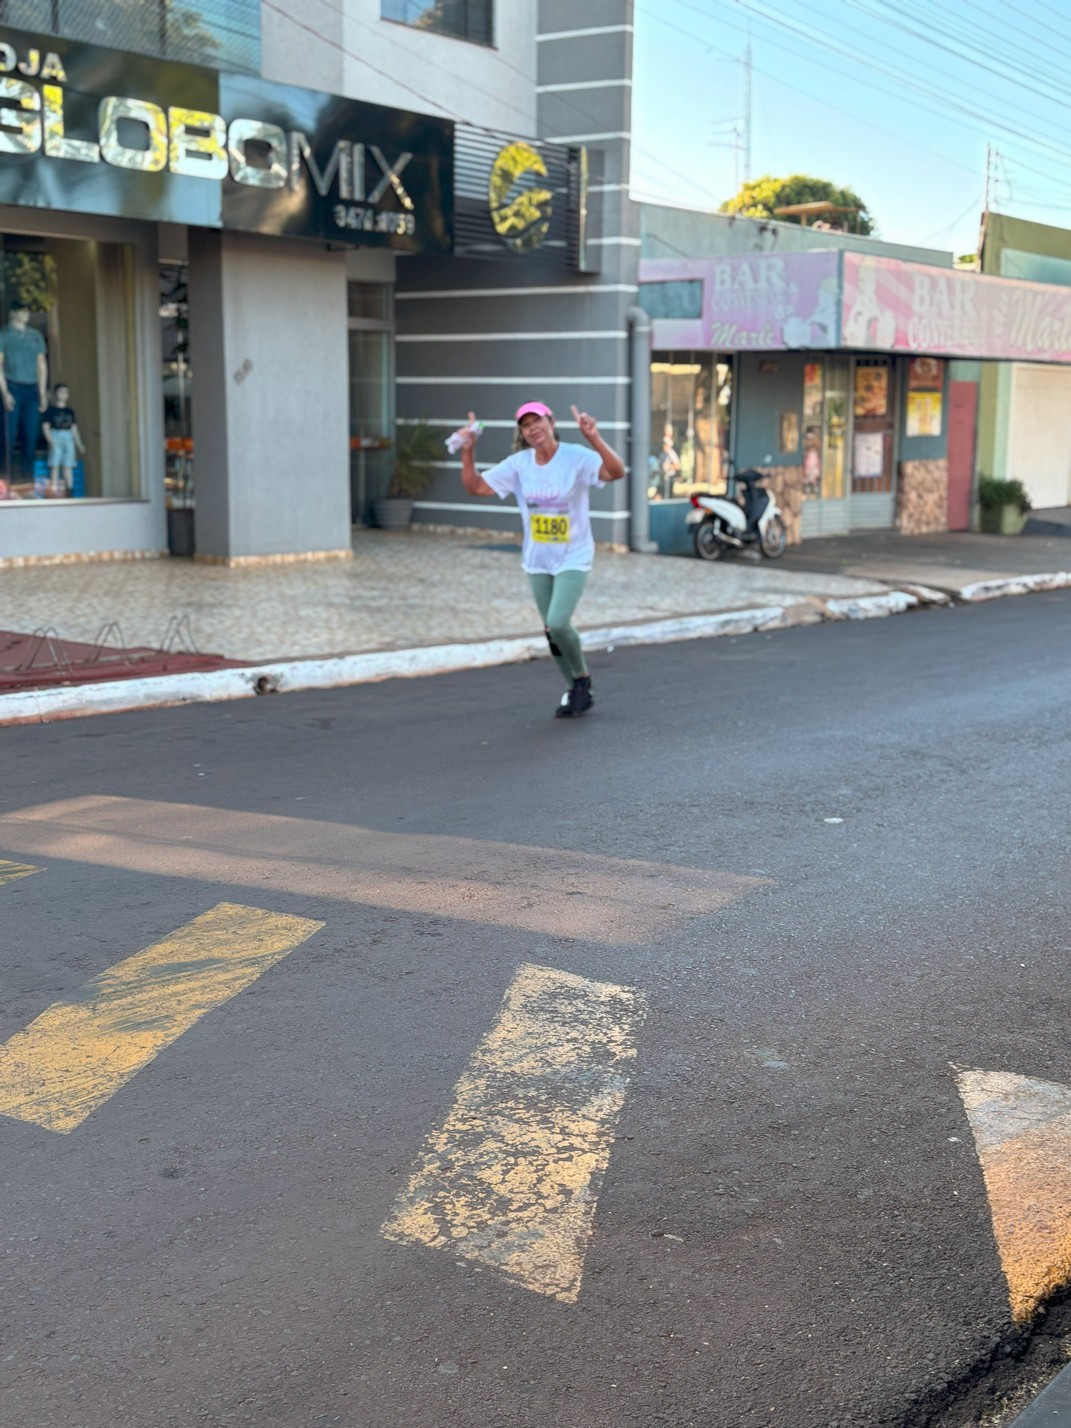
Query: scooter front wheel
{"x":773,"y":539}
{"x":707,"y":544}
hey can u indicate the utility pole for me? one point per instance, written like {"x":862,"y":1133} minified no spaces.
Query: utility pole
{"x":747,"y":108}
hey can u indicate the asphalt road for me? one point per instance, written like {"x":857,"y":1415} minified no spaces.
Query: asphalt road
{"x":791,"y":1228}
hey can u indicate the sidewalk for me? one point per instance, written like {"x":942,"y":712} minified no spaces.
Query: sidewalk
{"x":400,"y":590}
{"x":417,"y":602}
{"x":953,"y":561}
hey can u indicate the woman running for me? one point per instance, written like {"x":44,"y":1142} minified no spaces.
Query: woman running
{"x":552,"y":481}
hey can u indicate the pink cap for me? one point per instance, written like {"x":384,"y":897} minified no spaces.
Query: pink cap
{"x":534,"y":409}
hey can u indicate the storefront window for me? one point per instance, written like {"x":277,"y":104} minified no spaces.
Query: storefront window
{"x":691,"y":402}
{"x":67,"y":376}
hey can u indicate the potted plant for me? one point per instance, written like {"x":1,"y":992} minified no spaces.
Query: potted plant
{"x":416,"y":449}
{"x":1003,"y":504}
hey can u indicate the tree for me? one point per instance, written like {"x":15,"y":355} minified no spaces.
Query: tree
{"x":760,"y":197}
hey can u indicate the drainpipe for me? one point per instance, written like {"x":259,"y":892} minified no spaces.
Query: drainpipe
{"x":640,"y":439}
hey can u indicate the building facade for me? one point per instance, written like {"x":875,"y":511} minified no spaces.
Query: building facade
{"x":846,"y":368}
{"x":248,"y":239}
{"x":244,"y":245}
{"x":1024,"y":411}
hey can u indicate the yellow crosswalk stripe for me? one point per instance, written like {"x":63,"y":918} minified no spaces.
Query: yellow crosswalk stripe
{"x":1022,"y":1132}
{"x":512,"y":1178}
{"x":78,"y":1053}
{"x":10,"y":871}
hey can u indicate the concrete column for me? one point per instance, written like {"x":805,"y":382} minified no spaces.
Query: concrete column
{"x":269,"y":351}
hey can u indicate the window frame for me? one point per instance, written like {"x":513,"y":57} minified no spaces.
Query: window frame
{"x":488,"y":44}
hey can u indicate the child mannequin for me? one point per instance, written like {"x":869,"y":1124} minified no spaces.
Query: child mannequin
{"x":61,"y":432}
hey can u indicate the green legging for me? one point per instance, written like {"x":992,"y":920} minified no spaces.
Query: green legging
{"x":557,"y":597}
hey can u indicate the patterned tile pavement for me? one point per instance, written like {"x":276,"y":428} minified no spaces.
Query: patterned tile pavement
{"x":400,"y":590}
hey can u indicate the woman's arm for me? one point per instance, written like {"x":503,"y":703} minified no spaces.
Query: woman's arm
{"x":613,"y":468}
{"x":471,"y":479}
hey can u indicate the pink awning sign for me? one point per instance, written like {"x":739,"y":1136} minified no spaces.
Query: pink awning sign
{"x":759,"y":302}
{"x":892,"y":306}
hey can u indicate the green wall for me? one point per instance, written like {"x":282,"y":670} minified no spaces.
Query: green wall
{"x":1013,"y":248}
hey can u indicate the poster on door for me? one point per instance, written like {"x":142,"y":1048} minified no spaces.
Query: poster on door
{"x":871,"y":391}
{"x":868,"y":456}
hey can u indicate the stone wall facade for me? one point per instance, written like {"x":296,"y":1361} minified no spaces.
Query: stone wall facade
{"x":922,"y":497}
{"x":785,"y":484}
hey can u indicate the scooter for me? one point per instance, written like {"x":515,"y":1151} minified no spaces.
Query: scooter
{"x":724,"y":523}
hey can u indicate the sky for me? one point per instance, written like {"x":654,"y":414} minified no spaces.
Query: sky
{"x":896,"y":99}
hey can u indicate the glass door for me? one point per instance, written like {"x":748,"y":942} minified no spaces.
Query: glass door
{"x":371,"y":361}
{"x":834,"y":428}
{"x":826,"y":425}
{"x":178,"y":387}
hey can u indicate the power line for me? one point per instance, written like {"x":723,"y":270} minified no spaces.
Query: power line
{"x":1036,"y":62}
{"x":931,"y":29}
{"x":807,"y":94}
{"x":915,"y":61}
{"x":856,"y":57}
{"x":941,"y":232}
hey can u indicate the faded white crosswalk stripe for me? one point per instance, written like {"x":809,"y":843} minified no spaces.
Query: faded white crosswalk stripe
{"x":512,"y":1178}
{"x":10,"y":871}
{"x":79,"y":1052}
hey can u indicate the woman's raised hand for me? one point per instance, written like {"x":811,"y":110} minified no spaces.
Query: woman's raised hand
{"x":587,"y":424}
{"x":469,"y":435}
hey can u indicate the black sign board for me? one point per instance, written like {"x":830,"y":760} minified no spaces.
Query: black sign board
{"x":89,"y":130}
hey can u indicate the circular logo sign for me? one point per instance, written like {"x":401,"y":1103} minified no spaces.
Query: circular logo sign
{"x":520,"y":212}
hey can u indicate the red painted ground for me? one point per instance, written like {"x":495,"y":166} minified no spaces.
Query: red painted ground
{"x":31,"y":661}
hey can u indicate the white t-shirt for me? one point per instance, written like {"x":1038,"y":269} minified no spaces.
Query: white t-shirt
{"x":554,"y":503}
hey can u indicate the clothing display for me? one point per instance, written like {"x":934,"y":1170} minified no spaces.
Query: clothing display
{"x":61,"y":451}
{"x":554,"y":501}
{"x":60,"y":418}
{"x":23,"y":422}
{"x":20,"y":349}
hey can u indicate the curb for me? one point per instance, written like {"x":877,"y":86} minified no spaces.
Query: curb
{"x":283,"y":676}
{"x":278,"y":677}
{"x":1051,"y":1408}
{"x":1015,"y":585}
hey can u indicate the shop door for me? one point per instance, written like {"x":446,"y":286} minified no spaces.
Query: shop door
{"x":962,"y":406}
{"x":871,"y":504}
{"x":1039,"y":433}
{"x":825,"y":437}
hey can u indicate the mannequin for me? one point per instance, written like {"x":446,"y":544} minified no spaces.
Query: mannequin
{"x":23,"y":383}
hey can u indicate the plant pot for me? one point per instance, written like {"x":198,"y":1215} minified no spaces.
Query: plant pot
{"x":393,"y":513}
{"x":180,"y":531}
{"x":1002,"y":520}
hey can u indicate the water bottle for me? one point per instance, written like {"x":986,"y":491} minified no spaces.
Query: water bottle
{"x":453,"y":441}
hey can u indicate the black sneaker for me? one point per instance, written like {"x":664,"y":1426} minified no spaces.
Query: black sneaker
{"x":577,"y":701}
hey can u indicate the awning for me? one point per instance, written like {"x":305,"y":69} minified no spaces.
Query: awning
{"x":828,"y":300}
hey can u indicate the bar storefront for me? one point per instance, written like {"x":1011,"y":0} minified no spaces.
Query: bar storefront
{"x":842,"y":375}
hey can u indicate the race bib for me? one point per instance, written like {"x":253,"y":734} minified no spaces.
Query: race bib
{"x":549,"y":530}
